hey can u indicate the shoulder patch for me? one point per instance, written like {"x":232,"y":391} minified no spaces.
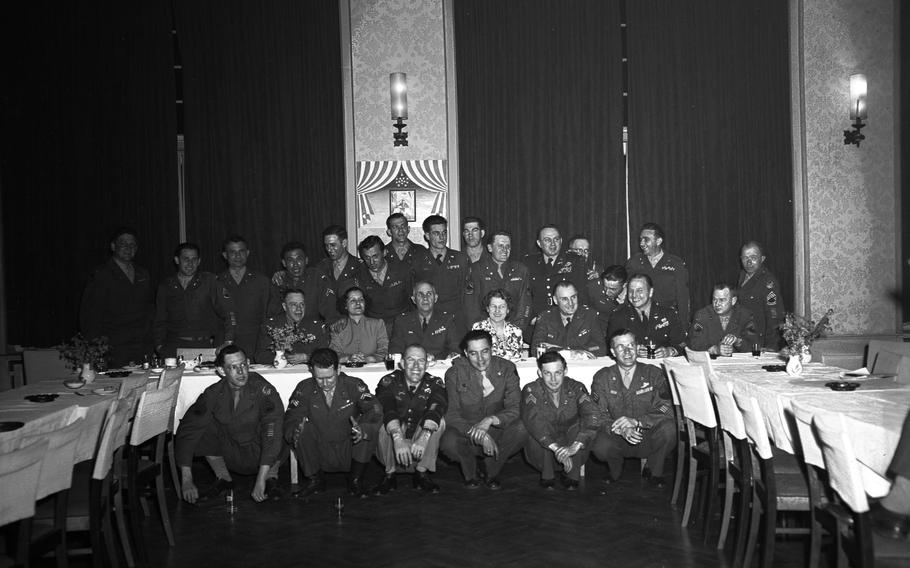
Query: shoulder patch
{"x":530,"y":398}
{"x":698,"y":327}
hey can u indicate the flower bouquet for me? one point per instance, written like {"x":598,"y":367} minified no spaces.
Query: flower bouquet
{"x":283,"y":338}
{"x":80,"y":351}
{"x":799,"y":333}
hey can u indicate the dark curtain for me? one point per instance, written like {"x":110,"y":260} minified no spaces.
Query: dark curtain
{"x":540,"y":119}
{"x":264,"y":126}
{"x":709,"y":132}
{"x":88,"y":144}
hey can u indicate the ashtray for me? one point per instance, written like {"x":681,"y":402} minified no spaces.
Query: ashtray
{"x":47,"y":397}
{"x":10,"y":426}
{"x":774,"y":368}
{"x":842,"y":385}
{"x":118,"y":374}
{"x":354,"y":364}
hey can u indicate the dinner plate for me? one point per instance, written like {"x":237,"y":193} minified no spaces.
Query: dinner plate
{"x":73,"y":384}
{"x":10,"y":426}
{"x":105,"y":390}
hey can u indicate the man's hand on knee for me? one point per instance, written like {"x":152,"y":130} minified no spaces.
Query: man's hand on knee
{"x":189,"y":491}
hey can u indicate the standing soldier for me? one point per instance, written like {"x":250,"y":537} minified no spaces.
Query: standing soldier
{"x":759,"y":292}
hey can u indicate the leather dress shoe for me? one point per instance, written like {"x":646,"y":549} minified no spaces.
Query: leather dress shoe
{"x":548,"y":484}
{"x":494,"y":484}
{"x":423,"y":482}
{"x":389,"y":483}
{"x":273,"y":489}
{"x":315,"y":485}
{"x":355,"y":487}
{"x":658,"y":481}
{"x":220,"y":487}
{"x":570,"y":484}
{"x":472,"y":483}
{"x":888,"y":523}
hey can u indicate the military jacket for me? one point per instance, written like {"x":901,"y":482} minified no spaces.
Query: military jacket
{"x":350,"y":274}
{"x":583,"y":332}
{"x":515,"y":280}
{"x":312,"y":332}
{"x":662,"y":327}
{"x":762,"y":296}
{"x":468,"y":406}
{"x":393,"y":296}
{"x":439,"y":339}
{"x":647,"y":399}
{"x":671,"y":281}
{"x":546,"y":422}
{"x":706,"y":330}
{"x":201,"y":310}
{"x":250,"y":297}
{"x":414,"y":250}
{"x":351,"y":399}
{"x":449,"y":278}
{"x":318,"y":294}
{"x":567,"y":266}
{"x":412,"y":410}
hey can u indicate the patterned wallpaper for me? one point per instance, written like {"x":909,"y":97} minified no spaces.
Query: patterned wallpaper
{"x":390,"y":36}
{"x":851,"y":191}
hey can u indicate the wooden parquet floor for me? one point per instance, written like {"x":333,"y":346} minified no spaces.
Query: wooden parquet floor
{"x":520,"y":525}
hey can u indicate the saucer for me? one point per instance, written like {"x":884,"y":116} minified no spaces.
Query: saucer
{"x":842,"y":385}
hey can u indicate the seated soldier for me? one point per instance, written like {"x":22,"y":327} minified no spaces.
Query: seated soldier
{"x":483,"y":414}
{"x":413,"y":405}
{"x":290,"y":331}
{"x":723,"y":327}
{"x":561,"y":420}
{"x":236,"y":424}
{"x":656,"y":327}
{"x":636,"y":411}
{"x":332,"y":422}
{"x":568,"y":325}
{"x":427,"y":325}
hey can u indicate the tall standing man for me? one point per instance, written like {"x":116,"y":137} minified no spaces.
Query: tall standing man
{"x":321,"y":299}
{"x":473,"y":232}
{"x":117,"y":302}
{"x":340,"y":268}
{"x":401,"y":248}
{"x":386,"y":284}
{"x":447,"y":269}
{"x":759,"y":292}
{"x":496,"y":271}
{"x":667,"y":271}
{"x":249,"y":291}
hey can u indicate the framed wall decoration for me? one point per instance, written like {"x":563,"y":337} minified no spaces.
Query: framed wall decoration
{"x":403,"y":201}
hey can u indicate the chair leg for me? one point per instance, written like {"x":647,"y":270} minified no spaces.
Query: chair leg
{"x":162,"y":508}
{"x":23,"y":554}
{"x":680,"y":468}
{"x":770,"y":524}
{"x":690,"y":489}
{"x":60,"y":503}
{"x":172,"y":460}
{"x":713,"y":485}
{"x":754,"y":519}
{"x":120,"y":516}
{"x":727,"y":510}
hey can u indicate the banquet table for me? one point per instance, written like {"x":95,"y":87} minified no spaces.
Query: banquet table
{"x":15,"y":407}
{"x":874,"y":413}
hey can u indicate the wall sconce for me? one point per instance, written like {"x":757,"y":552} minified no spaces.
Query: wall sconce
{"x":857,"y":110}
{"x":398,"y":91}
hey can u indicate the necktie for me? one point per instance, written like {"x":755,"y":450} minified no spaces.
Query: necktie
{"x":568,"y":321}
{"x":487,"y":385}
{"x":423,"y":324}
{"x":236,"y":398}
{"x":642,"y":316}
{"x":626,"y":378}
{"x":439,"y":259}
{"x":329,"y":395}
{"x":550,"y":262}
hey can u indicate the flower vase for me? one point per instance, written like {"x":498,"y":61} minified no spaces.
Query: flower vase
{"x":280,"y":361}
{"x":87,"y":374}
{"x":795,"y":366}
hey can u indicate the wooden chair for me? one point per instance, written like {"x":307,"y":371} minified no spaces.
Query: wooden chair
{"x":775,"y":487}
{"x":136,"y":383}
{"x":682,"y":446}
{"x":846,"y":479}
{"x":692,"y":389}
{"x":40,"y":364}
{"x":168,"y":378}
{"x":702,"y":359}
{"x":738,"y":460}
{"x":20,"y":471}
{"x":153,"y":414}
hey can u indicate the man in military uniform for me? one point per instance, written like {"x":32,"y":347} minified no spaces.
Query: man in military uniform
{"x":236,"y":424}
{"x":472,"y":233}
{"x":413,"y":406}
{"x":303,"y":334}
{"x":332,"y":423}
{"x":427,"y":326}
{"x":613,"y":296}
{"x":652,"y":323}
{"x":340,"y":268}
{"x":724,"y":326}
{"x":386,"y":284}
{"x":249,"y":291}
{"x":552,"y":265}
{"x":562,"y":421}
{"x":321,"y":299}
{"x":667,"y":271}
{"x":569,"y":326}
{"x":193,"y":310}
{"x":448,"y":270}
{"x":401,"y":248}
{"x":483,"y":414}
{"x":759,"y":291}
{"x":496,"y":271}
{"x":636,"y":411}
{"x":117,"y":302}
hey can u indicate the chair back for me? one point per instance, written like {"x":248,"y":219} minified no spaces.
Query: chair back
{"x":171,"y":376}
{"x":692,"y":387}
{"x":844,"y":474}
{"x":731,"y":419}
{"x":702,"y":359}
{"x":40,"y":364}
{"x":57,"y":470}
{"x":94,"y":415}
{"x":754,"y":422}
{"x":208,"y":353}
{"x":19,"y":473}
{"x":812,"y":452}
{"x":153,"y":414}
{"x":135,"y":382}
{"x":113,"y":436}
{"x":876,"y":346}
{"x":48,"y":423}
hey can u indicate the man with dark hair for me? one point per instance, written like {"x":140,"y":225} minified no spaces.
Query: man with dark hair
{"x":386,"y":284}
{"x":613,"y":282}
{"x":496,"y":271}
{"x":759,"y":291}
{"x":340,"y":268}
{"x":472,"y":232}
{"x":550,"y":266}
{"x":483,"y":415}
{"x":248,"y":290}
{"x":636,"y":411}
{"x":321,"y":299}
{"x":414,"y":403}
{"x":236,"y":424}
{"x":561,"y":420}
{"x":656,"y":326}
{"x":291,"y":331}
{"x":117,"y":302}
{"x":580,"y":244}
{"x":428,"y":326}
{"x":667,"y":271}
{"x":401,"y":248}
{"x":724,"y":326}
{"x":193,"y":309}
{"x":569,"y":326}
{"x":332,"y":423}
{"x":448,"y":270}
